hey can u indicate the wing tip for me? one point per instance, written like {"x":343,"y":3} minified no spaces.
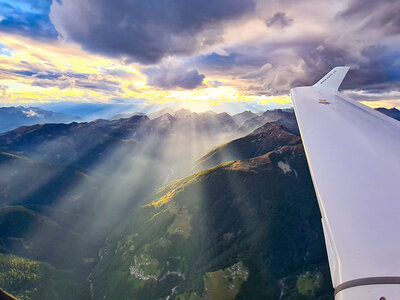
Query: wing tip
{"x":333,"y":79}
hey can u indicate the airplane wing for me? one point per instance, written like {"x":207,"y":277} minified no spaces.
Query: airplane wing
{"x":353,"y":153}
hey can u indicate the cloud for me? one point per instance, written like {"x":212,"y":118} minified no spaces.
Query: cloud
{"x":343,"y":33}
{"x":279,"y":20}
{"x":69,"y":80}
{"x":238,"y":45}
{"x":30,"y":18}
{"x":65,"y":80}
{"x":31,"y":113}
{"x":383,"y":14}
{"x":4,"y":94}
{"x":172,"y":76}
{"x":3,"y":90}
{"x":145,"y":31}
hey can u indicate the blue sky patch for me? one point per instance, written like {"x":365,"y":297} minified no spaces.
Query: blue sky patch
{"x":29,"y":18}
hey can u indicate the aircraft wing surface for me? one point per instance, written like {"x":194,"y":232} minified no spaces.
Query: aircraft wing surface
{"x":353,"y":153}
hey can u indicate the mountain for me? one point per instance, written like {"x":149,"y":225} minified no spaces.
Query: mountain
{"x":159,"y":113}
{"x":393,"y":112}
{"x":43,"y":205}
{"x":13,"y":117}
{"x":242,"y":117}
{"x":269,"y":137}
{"x":204,"y":121}
{"x":91,"y":145}
{"x":80,"y":144}
{"x":47,"y":214}
{"x":29,"y":279}
{"x":184,"y":113}
{"x":61,"y":216}
{"x":84,"y":144}
{"x":126,"y":115}
{"x":284,"y":117}
{"x":248,"y":229}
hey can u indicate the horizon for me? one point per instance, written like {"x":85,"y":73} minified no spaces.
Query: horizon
{"x":87,"y":112}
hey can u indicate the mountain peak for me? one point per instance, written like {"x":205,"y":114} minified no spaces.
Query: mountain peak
{"x":392,"y":112}
{"x":269,"y":137}
{"x":208,"y":112}
{"x":183,"y":113}
{"x":161,"y":112}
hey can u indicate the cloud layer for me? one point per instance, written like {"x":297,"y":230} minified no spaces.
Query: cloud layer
{"x":221,"y":50}
{"x":145,"y":31}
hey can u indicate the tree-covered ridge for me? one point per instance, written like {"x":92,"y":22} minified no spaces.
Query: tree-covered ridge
{"x":29,"y":280}
{"x":261,"y":212}
{"x":267,"y":138}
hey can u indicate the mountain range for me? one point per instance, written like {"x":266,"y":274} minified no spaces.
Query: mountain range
{"x":172,"y":205}
{"x":13,"y":117}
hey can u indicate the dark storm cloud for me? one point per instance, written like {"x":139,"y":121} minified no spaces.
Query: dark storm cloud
{"x":30,"y":18}
{"x":279,"y":20}
{"x":145,"y":31}
{"x":383,"y":14}
{"x":216,"y":61}
{"x":240,"y":57}
{"x":169,"y":77}
{"x":374,"y":68}
{"x":363,"y":34}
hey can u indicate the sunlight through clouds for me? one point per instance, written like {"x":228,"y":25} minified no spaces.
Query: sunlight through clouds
{"x":252,"y":51}
{"x":39,"y":72}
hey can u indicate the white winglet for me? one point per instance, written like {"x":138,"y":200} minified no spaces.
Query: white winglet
{"x":333,"y":79}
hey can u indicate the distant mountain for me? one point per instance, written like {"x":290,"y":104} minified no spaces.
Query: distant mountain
{"x":85,"y":144}
{"x":267,"y":138}
{"x":13,"y":117}
{"x":184,"y":113}
{"x":159,"y":113}
{"x":392,"y":112}
{"x":247,"y":229}
{"x":284,"y":117}
{"x":81,"y":144}
{"x":209,"y":120}
{"x":242,"y":117}
{"x":126,"y":115}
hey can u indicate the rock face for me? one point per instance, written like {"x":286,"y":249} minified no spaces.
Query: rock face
{"x":257,"y":216}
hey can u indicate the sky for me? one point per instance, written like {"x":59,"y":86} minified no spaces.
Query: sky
{"x":193,"y":53}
